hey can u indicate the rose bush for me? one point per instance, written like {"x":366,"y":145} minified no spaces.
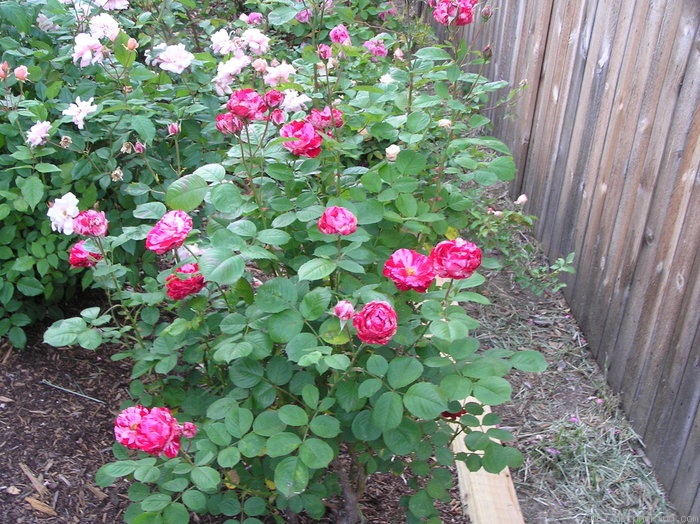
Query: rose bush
{"x":278,"y":201}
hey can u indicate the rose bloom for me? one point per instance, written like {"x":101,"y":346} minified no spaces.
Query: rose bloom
{"x":228,"y":123}
{"x":409,"y":269}
{"x":189,"y":429}
{"x":308,"y":141}
{"x":87,"y":49}
{"x":139,"y":147}
{"x":127,"y":424}
{"x":81,"y":257}
{"x":187,"y":280}
{"x":325,"y":119}
{"x":91,"y":223}
{"x":324,"y":51}
{"x":337,"y":220}
{"x":111,"y":5}
{"x":277,"y":74}
{"x":294,"y":101}
{"x":303,"y":16}
{"x":173,"y":58}
{"x":21,"y":72}
{"x":159,"y":433}
{"x":38,"y":134}
{"x":61,"y":212}
{"x":79,"y":110}
{"x":344,"y":310}
{"x":247,"y":104}
{"x":226,"y":72}
{"x":376,"y":47}
{"x":273,"y":98}
{"x":340,"y":35}
{"x":173,"y":128}
{"x":253,"y":18}
{"x":392,"y":152}
{"x":222,"y":43}
{"x":257,"y":42}
{"x":455,"y":258}
{"x":4,"y":70}
{"x":169,"y":232}
{"x":376,"y":323}
{"x":104,"y":26}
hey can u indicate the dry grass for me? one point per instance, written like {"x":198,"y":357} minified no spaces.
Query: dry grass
{"x":583,"y":461}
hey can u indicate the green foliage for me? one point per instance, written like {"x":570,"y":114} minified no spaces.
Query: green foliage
{"x":277,"y":384}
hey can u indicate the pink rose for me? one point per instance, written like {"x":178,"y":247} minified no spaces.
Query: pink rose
{"x":4,"y":70}
{"x":173,"y":128}
{"x":376,"y":47}
{"x":326,"y":119}
{"x":303,"y":16}
{"x":308,"y":141}
{"x":139,"y":147}
{"x":21,"y":72}
{"x":91,"y":223}
{"x":340,"y":35}
{"x":87,"y":49}
{"x":158,"y":433}
{"x":273,"y":98}
{"x":337,"y":220}
{"x":376,"y":323}
{"x":409,"y":270}
{"x":455,"y":258}
{"x":228,"y":123}
{"x":344,"y":310}
{"x":81,"y":257}
{"x":187,"y":280}
{"x":189,"y":430}
{"x":127,"y":424}
{"x":324,"y":51}
{"x":169,"y":232}
{"x":247,"y":104}
{"x":38,"y":134}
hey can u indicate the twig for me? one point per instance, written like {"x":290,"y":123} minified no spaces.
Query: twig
{"x":44,"y":381}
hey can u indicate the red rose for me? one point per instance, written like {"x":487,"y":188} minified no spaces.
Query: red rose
{"x":169,"y":232}
{"x":247,"y":104}
{"x":91,"y":223}
{"x":376,"y":323}
{"x":410,"y":270}
{"x":308,"y":141}
{"x":337,"y":220}
{"x":455,"y":258}
{"x":81,"y":257}
{"x":179,"y":286}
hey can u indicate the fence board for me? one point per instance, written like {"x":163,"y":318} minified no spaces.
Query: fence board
{"x":607,"y":140}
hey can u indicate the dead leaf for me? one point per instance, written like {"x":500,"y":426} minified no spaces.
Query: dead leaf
{"x":13,"y":490}
{"x":40,"y":506}
{"x":36,"y":483}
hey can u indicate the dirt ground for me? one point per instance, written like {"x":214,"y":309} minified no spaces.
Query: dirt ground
{"x":583,"y":462}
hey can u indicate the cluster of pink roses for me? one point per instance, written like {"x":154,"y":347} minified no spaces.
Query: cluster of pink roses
{"x":154,"y":430}
{"x":459,"y":12}
{"x":307,"y":132}
{"x":456,"y":259}
{"x":247,"y":105}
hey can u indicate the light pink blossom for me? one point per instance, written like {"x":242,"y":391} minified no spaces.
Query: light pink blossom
{"x":87,"y":49}
{"x":223,"y":44}
{"x":173,"y":58}
{"x":253,"y":18}
{"x":111,"y":5}
{"x":104,"y":26}
{"x":79,"y":110}
{"x":227,"y":72}
{"x":21,"y":73}
{"x":294,"y":101}
{"x":38,"y":134}
{"x":344,"y":310}
{"x":256,"y":41}
{"x":303,"y":16}
{"x":278,"y":74}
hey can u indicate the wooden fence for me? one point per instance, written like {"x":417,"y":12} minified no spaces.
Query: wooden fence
{"x":606,"y":138}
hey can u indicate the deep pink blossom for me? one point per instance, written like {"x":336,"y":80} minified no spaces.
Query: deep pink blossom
{"x":169,"y":232}
{"x":337,"y":220}
{"x":455,"y":258}
{"x":273,"y":98}
{"x":340,"y":35}
{"x":376,"y":323}
{"x":409,"y":269}
{"x":376,"y":47}
{"x":344,"y":310}
{"x":228,"y":123}
{"x":304,"y":16}
{"x":308,"y":141}
{"x":324,"y":51}
{"x":247,"y":104}
{"x":81,"y":257}
{"x":326,"y":119}
{"x":158,"y":433}
{"x":127,"y":424}
{"x":187,"y":280}
{"x":91,"y":223}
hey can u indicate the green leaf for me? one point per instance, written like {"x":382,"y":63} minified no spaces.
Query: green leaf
{"x":433,"y":53}
{"x":155,"y":502}
{"x":29,"y":286}
{"x":369,"y":387}
{"x":186,"y":193}
{"x":276,"y":295}
{"x":281,"y":15}
{"x":238,"y":421}
{"x":64,"y":332}
{"x":268,"y":423}
{"x":293,"y":415}
{"x":315,"y":303}
{"x":425,"y":400}
{"x":285,"y":325}
{"x":150,"y":210}
{"x":492,"y":390}
{"x":143,"y":127}
{"x":363,"y":428}
{"x":33,"y":190}
{"x":16,"y":15}
{"x":388,"y":411}
{"x":273,"y":237}
{"x":417,"y":122}
{"x":325,"y":426}
{"x":206,"y":479}
{"x":195,"y":500}
{"x":403,"y":440}
{"x":377,"y":365}
{"x":229,"y":457}
{"x":176,"y":513}
{"x":403,"y":371}
{"x":282,"y":444}
{"x":529,"y":360}
{"x":410,"y":163}
{"x":291,"y":477}
{"x":211,"y":172}
{"x":120,"y":468}
{"x":220,"y":265}
{"x":316,"y":269}
{"x":316,"y":453}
